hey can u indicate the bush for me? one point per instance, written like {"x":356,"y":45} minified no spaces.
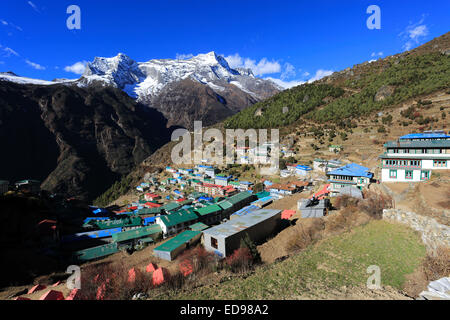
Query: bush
{"x":374,"y":203}
{"x":381,"y":129}
{"x":345,"y":201}
{"x":436,"y":266}
{"x":240,"y":261}
{"x":110,"y":282}
{"x":199,"y":260}
{"x":246,"y":242}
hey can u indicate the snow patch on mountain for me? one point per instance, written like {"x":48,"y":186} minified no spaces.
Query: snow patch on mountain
{"x":144,"y":80}
{"x":12,"y":77}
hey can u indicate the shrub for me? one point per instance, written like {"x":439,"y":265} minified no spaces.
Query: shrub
{"x":199,"y":260}
{"x":436,"y":266}
{"x":240,"y":261}
{"x":110,"y":282}
{"x":374,"y":203}
{"x":381,"y":129}
{"x":345,"y":201}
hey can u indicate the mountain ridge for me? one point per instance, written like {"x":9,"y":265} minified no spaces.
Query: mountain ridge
{"x":152,"y":83}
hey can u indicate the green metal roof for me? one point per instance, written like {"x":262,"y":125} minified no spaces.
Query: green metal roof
{"x":178,"y":217}
{"x":225,"y":204}
{"x":199,"y":226}
{"x":137,"y":233}
{"x":149,"y":211}
{"x":239,"y":197}
{"x":171,"y":206}
{"x":178,"y":241}
{"x":262,"y":194}
{"x":209,"y":209}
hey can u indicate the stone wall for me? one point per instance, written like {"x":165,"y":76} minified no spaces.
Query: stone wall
{"x":434,"y":234}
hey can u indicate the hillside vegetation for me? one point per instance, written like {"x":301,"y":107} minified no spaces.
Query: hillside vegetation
{"x":350,"y":94}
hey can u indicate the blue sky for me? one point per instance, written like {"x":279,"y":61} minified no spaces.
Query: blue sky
{"x":291,"y":41}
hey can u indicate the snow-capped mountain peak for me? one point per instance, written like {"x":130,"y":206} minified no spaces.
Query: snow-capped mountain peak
{"x":144,"y":80}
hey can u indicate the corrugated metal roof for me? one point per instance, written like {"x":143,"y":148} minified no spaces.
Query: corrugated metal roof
{"x":178,"y":217}
{"x":209,"y":209}
{"x":430,"y":135}
{"x":171,"y":206}
{"x":246,"y":210}
{"x":240,"y":223}
{"x":418,"y":144}
{"x":352,"y":170}
{"x":237,"y":198}
{"x":178,"y":241}
{"x":137,"y":233}
{"x":225,"y":204}
{"x":199,"y":226}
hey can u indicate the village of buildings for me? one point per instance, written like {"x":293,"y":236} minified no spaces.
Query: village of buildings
{"x":183,"y":207}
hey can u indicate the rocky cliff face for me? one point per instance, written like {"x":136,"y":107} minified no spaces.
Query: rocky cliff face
{"x":76,"y":140}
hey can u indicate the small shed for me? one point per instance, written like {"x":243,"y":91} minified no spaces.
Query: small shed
{"x":226,"y":237}
{"x":173,"y":247}
{"x":314,"y":208}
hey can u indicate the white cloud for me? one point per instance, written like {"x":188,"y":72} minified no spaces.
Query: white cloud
{"x":264,"y":66}
{"x":183,"y":56}
{"x":34,"y":65}
{"x":320,"y":74}
{"x":10,"y":24}
{"x":289,"y":71}
{"x":235,"y":61}
{"x":377,"y":54}
{"x":34,"y":6}
{"x":414,"y":34}
{"x":286,"y":84}
{"x":306,"y":74}
{"x":77,"y":68}
{"x":9,"y":52}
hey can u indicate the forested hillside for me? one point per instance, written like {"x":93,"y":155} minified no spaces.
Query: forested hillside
{"x":351,"y":93}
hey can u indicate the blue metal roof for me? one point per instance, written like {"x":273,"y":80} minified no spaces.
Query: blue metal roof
{"x":223,"y":178}
{"x":306,"y":168}
{"x":352,"y":170}
{"x":426,"y":136}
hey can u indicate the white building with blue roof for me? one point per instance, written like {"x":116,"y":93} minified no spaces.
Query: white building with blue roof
{"x":415,"y":156}
{"x":349,"y":175}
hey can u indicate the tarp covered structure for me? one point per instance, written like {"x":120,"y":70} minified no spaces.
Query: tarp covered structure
{"x":52,"y":295}
{"x":160,"y":276}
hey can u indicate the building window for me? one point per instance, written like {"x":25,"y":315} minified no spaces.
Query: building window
{"x":214,"y":243}
{"x":425,"y":175}
{"x":408,"y":174}
{"x":393,"y":174}
{"x":440,"y":163}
